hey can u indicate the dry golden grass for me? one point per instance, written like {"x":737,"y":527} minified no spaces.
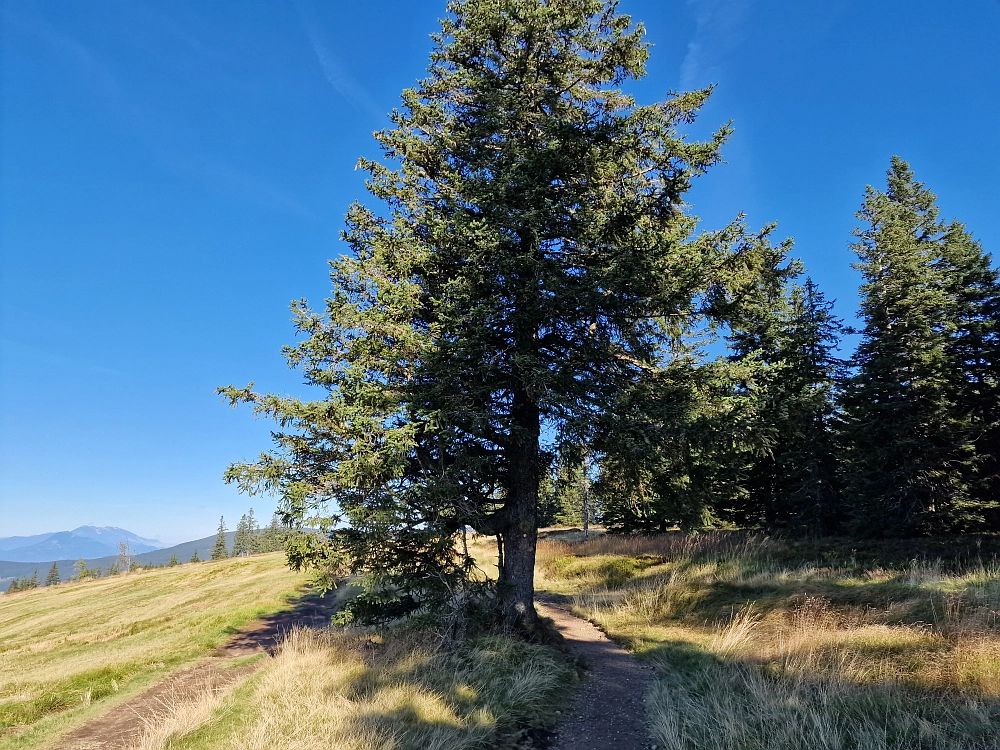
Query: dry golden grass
{"x":181,"y":714}
{"x":69,"y":650}
{"x":754,"y":653}
{"x":331,"y":690}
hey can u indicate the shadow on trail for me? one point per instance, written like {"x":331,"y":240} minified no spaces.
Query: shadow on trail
{"x":310,"y":610}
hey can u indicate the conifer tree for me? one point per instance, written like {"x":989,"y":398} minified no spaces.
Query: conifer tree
{"x":194,"y":557}
{"x":52,"y":578}
{"x":562,"y":493}
{"x":677,"y":450}
{"x":272,"y":537}
{"x":124,"y":560}
{"x":792,"y":482}
{"x":241,"y":539}
{"x":973,"y":287}
{"x":247,"y":540}
{"x":534,"y":255}
{"x":253,"y":533}
{"x":23,"y":583}
{"x":220,"y":551}
{"x":548,"y":497}
{"x":908,"y":443}
{"x":676,"y":453}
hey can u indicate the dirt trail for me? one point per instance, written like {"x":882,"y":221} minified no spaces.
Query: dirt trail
{"x":608,"y":712}
{"x":122,"y":725}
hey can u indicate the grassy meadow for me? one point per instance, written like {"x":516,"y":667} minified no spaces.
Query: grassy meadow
{"x":69,"y":652}
{"x":758,"y":642}
{"x":763,"y":644}
{"x":334,"y":690}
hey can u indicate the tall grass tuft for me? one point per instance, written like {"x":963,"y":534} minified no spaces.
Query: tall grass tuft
{"x":180,"y":714}
{"x":331,"y":690}
{"x":761,"y":648}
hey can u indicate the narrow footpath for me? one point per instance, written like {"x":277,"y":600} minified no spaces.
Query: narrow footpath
{"x":609,"y":710}
{"x":119,"y":728}
{"x":607,"y":713}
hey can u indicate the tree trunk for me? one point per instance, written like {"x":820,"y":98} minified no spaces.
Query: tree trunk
{"x":519,"y":535}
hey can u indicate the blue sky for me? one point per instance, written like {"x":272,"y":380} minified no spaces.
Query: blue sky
{"x":172,"y":174}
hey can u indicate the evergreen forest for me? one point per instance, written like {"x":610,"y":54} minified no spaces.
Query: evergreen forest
{"x":785,"y":433}
{"x":531,"y":327}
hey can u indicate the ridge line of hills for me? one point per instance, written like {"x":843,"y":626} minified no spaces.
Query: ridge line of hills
{"x":83,"y":541}
{"x":9,"y":570}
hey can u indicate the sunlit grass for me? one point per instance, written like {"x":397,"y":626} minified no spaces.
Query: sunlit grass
{"x":400,"y":690}
{"x":69,"y":651}
{"x":759,"y":651}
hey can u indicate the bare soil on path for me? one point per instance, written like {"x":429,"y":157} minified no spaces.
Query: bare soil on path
{"x":607,"y":713}
{"x":609,"y":710}
{"x":120,"y":727}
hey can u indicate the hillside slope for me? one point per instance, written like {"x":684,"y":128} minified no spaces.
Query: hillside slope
{"x":10,"y":570}
{"x":67,"y":652}
{"x":135,"y":662}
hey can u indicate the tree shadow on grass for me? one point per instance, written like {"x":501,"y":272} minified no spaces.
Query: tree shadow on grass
{"x":497,"y":689}
{"x":709,"y":701}
{"x":309,"y":610}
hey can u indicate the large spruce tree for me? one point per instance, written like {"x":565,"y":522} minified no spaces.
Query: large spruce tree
{"x":681,"y":447}
{"x":528,"y":261}
{"x":792,"y":332}
{"x":676,"y":449}
{"x":973,"y":287}
{"x":909,"y":438}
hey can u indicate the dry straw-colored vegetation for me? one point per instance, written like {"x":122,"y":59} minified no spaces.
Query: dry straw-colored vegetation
{"x":759,"y":643}
{"x":71,"y":652}
{"x":181,"y":713}
{"x":759,"y":647}
{"x":397,"y":691}
{"x":68,"y":652}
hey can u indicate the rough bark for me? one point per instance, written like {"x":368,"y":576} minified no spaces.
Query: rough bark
{"x":520,"y":532}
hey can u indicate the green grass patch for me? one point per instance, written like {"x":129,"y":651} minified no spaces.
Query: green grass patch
{"x":69,"y":650}
{"x":602,"y":570}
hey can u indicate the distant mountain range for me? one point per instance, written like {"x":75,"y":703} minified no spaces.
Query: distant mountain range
{"x":87,"y":542}
{"x":183,"y":552}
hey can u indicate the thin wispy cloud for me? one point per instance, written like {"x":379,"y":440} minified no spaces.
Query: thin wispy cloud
{"x":99,"y":77}
{"x":719,"y":29}
{"x":170,"y":146}
{"x":252,"y":189}
{"x":336,"y":74}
